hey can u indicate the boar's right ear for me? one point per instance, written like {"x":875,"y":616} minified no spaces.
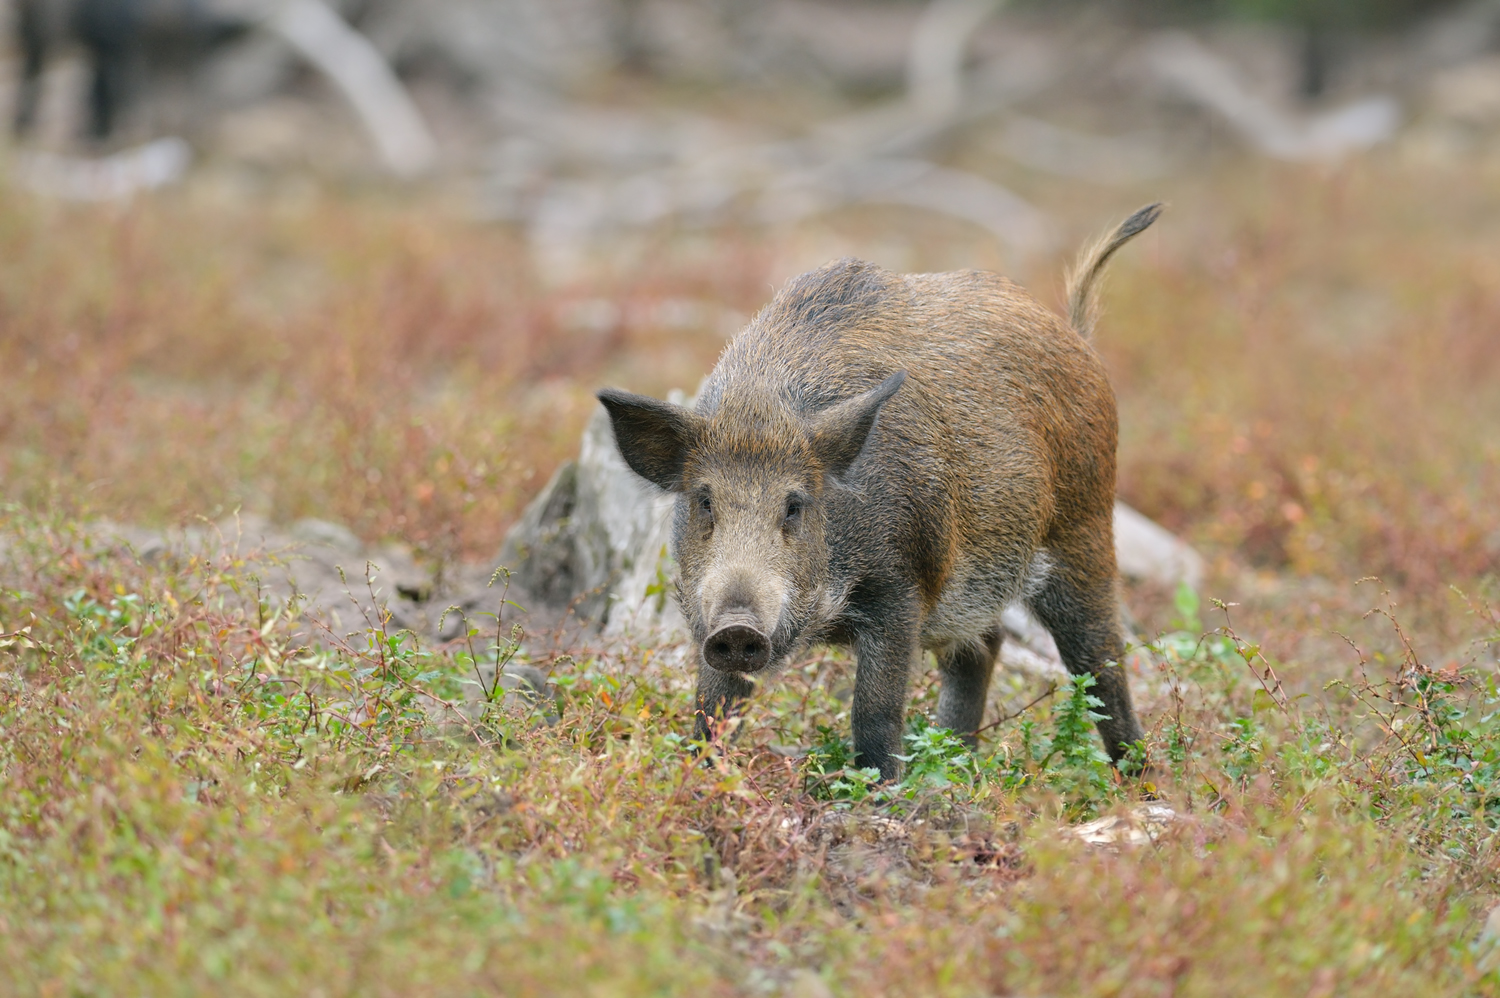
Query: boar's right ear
{"x":839,"y":432}
{"x":653,"y":436}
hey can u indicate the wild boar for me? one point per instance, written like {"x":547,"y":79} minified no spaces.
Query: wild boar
{"x":886,"y":462}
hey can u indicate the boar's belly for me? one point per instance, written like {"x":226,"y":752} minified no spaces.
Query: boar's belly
{"x":970,"y":604}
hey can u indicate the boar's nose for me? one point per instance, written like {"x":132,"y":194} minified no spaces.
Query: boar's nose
{"x":737,"y":646}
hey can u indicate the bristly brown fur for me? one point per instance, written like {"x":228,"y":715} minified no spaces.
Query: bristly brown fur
{"x":1083,"y":278}
{"x":887,"y":461}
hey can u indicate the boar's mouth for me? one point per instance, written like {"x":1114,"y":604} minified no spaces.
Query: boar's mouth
{"x":737,"y":645}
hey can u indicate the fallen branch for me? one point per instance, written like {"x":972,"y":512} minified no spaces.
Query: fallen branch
{"x":360,"y":72}
{"x":1209,"y":81}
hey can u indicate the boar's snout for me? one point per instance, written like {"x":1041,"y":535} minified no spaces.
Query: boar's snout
{"x":737,"y":645}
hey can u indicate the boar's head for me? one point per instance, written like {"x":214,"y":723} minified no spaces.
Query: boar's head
{"x":755,"y":479}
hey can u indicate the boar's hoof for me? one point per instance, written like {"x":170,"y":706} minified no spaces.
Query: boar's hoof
{"x":737,"y":647}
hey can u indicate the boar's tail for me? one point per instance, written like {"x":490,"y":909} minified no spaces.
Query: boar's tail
{"x":1083,"y":279}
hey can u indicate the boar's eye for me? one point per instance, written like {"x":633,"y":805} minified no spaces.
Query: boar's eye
{"x":793,"y":512}
{"x":706,"y":505}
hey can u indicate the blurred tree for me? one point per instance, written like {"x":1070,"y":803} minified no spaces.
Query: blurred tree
{"x":1322,"y":24}
{"x":1340,"y":14}
{"x":1320,"y":21}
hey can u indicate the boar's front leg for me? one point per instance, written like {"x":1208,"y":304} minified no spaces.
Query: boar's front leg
{"x":885,"y":649}
{"x":719,"y":697}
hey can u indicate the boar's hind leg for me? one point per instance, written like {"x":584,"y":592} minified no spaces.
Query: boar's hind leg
{"x":966,"y":671}
{"x":719,"y":696}
{"x":1078,"y":605}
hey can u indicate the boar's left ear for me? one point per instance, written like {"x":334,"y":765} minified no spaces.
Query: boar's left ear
{"x":653,"y":436}
{"x":839,"y":433}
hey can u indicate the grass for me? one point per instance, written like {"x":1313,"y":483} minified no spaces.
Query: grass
{"x":188,"y":803}
{"x":191,"y":802}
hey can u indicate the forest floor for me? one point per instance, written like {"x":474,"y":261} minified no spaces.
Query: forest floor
{"x":1309,"y":383}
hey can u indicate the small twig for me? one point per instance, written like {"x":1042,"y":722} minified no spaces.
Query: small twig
{"x":1270,"y":682}
{"x":312,"y":714}
{"x":504,"y":651}
{"x":1049,"y":691}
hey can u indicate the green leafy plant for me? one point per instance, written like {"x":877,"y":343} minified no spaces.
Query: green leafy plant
{"x":1065,"y":758}
{"x":1187,"y":604}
